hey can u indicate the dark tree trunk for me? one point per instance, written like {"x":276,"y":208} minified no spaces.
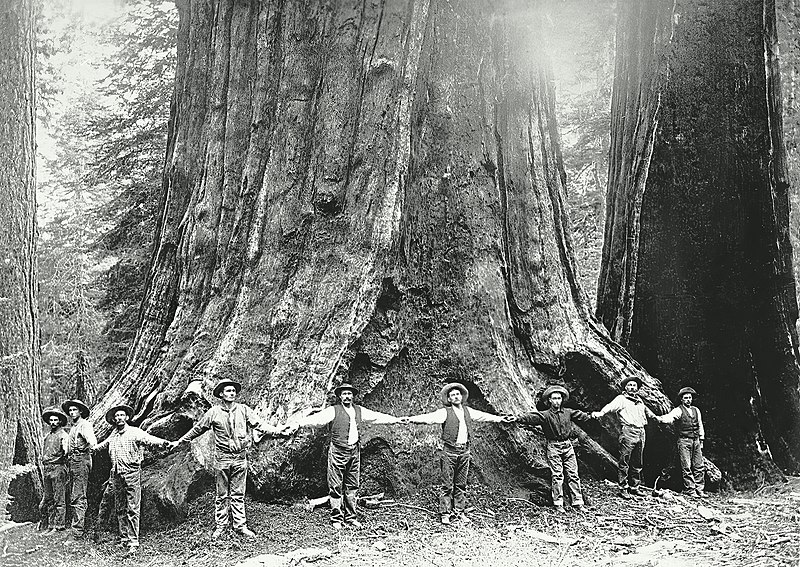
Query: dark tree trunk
{"x":697,"y":275}
{"x":366,"y":190}
{"x":20,"y":424}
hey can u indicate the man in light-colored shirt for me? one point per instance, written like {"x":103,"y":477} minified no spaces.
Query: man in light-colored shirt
{"x":690,"y":433}
{"x":633,"y":415}
{"x":126,"y":447}
{"x":344,"y":452}
{"x":232,"y":426}
{"x":54,"y":466}
{"x":456,"y":420}
{"x":81,"y":441}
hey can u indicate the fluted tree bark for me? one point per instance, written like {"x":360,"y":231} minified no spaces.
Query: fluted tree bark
{"x":20,"y":424}
{"x":370,"y":190}
{"x":697,"y":277}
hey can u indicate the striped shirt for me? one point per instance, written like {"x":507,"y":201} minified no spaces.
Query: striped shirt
{"x":81,"y":438}
{"x":126,"y":448}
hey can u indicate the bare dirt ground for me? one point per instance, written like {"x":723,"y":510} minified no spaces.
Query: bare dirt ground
{"x":760,"y":528}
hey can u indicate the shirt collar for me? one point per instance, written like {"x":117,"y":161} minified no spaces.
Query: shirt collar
{"x":635,"y":398}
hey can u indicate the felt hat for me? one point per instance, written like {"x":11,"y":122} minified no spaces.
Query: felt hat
{"x":686,"y":390}
{"x":630,"y":379}
{"x":110,"y":413}
{"x":225,"y":382}
{"x":555,"y":388}
{"x":82,"y":408}
{"x":345,"y":386}
{"x":451,"y":386}
{"x":50,"y":412}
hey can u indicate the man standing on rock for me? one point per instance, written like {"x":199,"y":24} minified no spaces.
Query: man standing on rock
{"x":126,"y":448}
{"x":456,"y":420}
{"x":52,"y":508}
{"x":344,"y":452}
{"x":231,"y":425}
{"x":690,"y":432}
{"x":633,"y":415}
{"x":79,"y":456}
{"x":556,"y":423}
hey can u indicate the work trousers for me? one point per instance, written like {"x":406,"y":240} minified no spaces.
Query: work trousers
{"x":454,"y":461}
{"x":561,"y":458}
{"x":344,"y":472}
{"x":631,"y":450}
{"x":127,"y":500}
{"x":231,"y":477}
{"x":52,"y":508}
{"x":79,"y":467}
{"x":691,"y":456}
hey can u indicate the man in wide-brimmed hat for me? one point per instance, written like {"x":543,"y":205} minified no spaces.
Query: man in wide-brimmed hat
{"x":126,"y":448}
{"x":690,"y":432}
{"x":456,"y":420}
{"x":344,"y":451}
{"x":79,"y":457}
{"x":633,"y":415}
{"x":556,"y":423}
{"x":233,"y":426}
{"x":54,"y":464}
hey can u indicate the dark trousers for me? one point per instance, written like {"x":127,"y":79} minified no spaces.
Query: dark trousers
{"x":692,"y":465}
{"x":79,"y":468}
{"x":52,"y":508}
{"x":631,"y":449}
{"x":344,"y":472}
{"x":561,"y":458}
{"x":231,"y":477}
{"x":127,"y":500}
{"x":455,"y":469}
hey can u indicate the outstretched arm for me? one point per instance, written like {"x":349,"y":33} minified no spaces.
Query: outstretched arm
{"x":612,"y":406}
{"x":483,"y":416}
{"x":199,"y":428}
{"x":377,"y":417}
{"x":438,"y":416}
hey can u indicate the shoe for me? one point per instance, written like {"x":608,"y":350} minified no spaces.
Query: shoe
{"x":217,"y":533}
{"x":246,"y":532}
{"x":635,"y":491}
{"x":579,"y":507}
{"x":356,"y":524}
{"x":132,"y":549}
{"x":560,"y":510}
{"x":700,"y":494}
{"x":51,"y":531}
{"x":336,"y":525}
{"x":446,"y":519}
{"x":623,"y":493}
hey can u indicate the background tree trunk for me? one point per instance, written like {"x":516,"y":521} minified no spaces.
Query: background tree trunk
{"x":697,"y":268}
{"x":366,"y":190}
{"x":20,"y":422}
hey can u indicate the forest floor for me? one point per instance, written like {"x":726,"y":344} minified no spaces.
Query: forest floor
{"x":760,"y":528}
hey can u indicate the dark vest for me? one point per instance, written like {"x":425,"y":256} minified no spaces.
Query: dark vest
{"x":450,"y":426}
{"x":688,"y":425}
{"x":340,"y":426}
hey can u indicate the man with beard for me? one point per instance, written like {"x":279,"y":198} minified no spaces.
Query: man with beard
{"x":344,"y":452}
{"x":232,"y":425}
{"x":691,"y":433}
{"x":126,"y":447}
{"x":54,"y":464}
{"x":79,"y":457}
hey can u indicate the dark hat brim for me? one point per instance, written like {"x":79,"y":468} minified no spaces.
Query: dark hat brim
{"x":221,"y":385}
{"x":82,"y":408}
{"x":552,"y":389}
{"x":630,"y":379}
{"x":47,"y":414}
{"x":453,"y":386}
{"x":339,"y":389}
{"x":110,"y":413}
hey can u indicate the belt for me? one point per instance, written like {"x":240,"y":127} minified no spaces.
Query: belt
{"x":559,"y":441}
{"x":458,"y":446}
{"x":689,"y":436}
{"x":634,"y":426}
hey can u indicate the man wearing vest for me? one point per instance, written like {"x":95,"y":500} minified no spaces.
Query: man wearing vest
{"x":557,"y":426}
{"x":633,"y":415}
{"x":79,"y":456}
{"x":456,"y":420}
{"x":690,"y":433}
{"x":232,"y":425}
{"x":344,"y":453}
{"x":54,"y":464}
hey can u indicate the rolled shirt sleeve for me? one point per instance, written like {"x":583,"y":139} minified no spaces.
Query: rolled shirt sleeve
{"x":438,"y":416}
{"x":478,"y":415}
{"x":377,"y":417}
{"x":318,"y":419}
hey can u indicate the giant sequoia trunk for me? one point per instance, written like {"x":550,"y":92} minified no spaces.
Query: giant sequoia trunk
{"x":371,"y":190}
{"x":20,"y":424}
{"x":697,"y":275}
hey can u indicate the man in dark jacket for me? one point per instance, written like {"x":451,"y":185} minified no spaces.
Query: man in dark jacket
{"x":556,"y":423}
{"x":81,"y":441}
{"x":54,"y":464}
{"x":344,"y":452}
